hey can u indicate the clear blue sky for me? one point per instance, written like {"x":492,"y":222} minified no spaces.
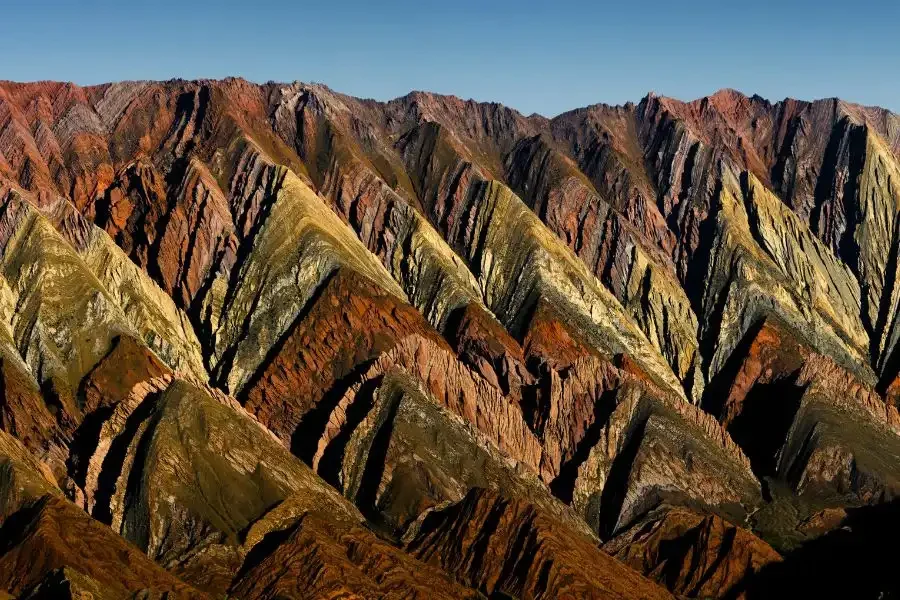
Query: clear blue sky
{"x":537,"y":57}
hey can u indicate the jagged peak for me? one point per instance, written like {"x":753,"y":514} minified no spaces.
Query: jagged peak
{"x":428,"y":103}
{"x":576,"y":237}
{"x":599,"y":107}
{"x":726,"y":97}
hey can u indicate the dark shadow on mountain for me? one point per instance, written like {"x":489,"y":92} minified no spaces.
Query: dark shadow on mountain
{"x":857,"y":561}
{"x":762,"y":426}
{"x":717,"y":390}
{"x":311,"y":428}
{"x":563,"y":487}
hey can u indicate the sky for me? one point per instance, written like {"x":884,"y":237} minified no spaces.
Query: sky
{"x":544,"y":57}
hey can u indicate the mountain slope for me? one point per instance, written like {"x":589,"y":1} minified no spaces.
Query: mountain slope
{"x":287,"y":341}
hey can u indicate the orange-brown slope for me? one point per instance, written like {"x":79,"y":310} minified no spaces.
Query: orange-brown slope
{"x":316,"y":559}
{"x":504,"y":546}
{"x":693,"y":555}
{"x":54,"y":534}
{"x":350,"y":322}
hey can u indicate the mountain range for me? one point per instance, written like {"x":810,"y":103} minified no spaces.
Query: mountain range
{"x":273,"y":341}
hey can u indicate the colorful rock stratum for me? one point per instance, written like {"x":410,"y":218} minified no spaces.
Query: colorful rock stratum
{"x":271,"y":341}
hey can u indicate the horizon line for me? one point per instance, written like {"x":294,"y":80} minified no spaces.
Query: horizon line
{"x":648,"y":94}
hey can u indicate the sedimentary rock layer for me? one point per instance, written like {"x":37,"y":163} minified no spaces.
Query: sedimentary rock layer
{"x":275,"y":340}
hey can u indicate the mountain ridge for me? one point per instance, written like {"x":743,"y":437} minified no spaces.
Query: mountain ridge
{"x":251,"y":326}
{"x":650,"y":94}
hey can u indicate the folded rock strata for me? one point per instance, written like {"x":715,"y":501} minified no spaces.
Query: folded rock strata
{"x":693,"y":555}
{"x":181,"y":471}
{"x":54,"y":539}
{"x":316,"y":559}
{"x":240,"y":322}
{"x":410,"y":454}
{"x":505,"y":546}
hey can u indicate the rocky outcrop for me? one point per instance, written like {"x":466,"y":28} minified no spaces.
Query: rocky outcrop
{"x":173,"y":231}
{"x":23,"y":478}
{"x":756,"y":394}
{"x":124,"y":298}
{"x":54,"y":540}
{"x":23,"y":412}
{"x":517,"y":261}
{"x":768,"y":354}
{"x":300,"y":243}
{"x":652,"y":451}
{"x":651,"y":321}
{"x":609,"y":146}
{"x":368,"y":186}
{"x":503,"y":546}
{"x":694,"y":556}
{"x":69,"y":293}
{"x":386,"y":220}
{"x":316,"y":559}
{"x":633,"y":268}
{"x":453,"y":386}
{"x":116,"y":375}
{"x":844,"y":439}
{"x":410,"y":454}
{"x":348,"y":324}
{"x":484,"y":345}
{"x":181,"y":471}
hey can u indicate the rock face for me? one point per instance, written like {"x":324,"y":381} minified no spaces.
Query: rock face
{"x":843,"y":439}
{"x":318,"y":560}
{"x":272,"y":340}
{"x":350,"y":323}
{"x":410,"y":454}
{"x":50,"y":548}
{"x":693,"y":555}
{"x":509,"y":547}
{"x":182,"y":472}
{"x":24,"y":478}
{"x":53,"y":539}
{"x":651,"y":452}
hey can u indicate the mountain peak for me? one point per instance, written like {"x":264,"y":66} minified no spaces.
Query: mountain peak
{"x":283,"y":341}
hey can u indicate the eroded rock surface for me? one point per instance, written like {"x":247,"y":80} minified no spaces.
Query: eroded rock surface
{"x":315,"y":559}
{"x":56,"y":535}
{"x":507,"y":546}
{"x":182,"y":472}
{"x":693,"y":555}
{"x":240,"y":323}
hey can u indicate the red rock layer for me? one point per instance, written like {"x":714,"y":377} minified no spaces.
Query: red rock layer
{"x":458,"y":389}
{"x":316,"y":559}
{"x":23,"y":411}
{"x":507,"y":547}
{"x":482,"y":343}
{"x":54,"y":534}
{"x":548,"y":339}
{"x":350,"y":323}
{"x":770,"y":354}
{"x":110,"y":382}
{"x":694,"y":556}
